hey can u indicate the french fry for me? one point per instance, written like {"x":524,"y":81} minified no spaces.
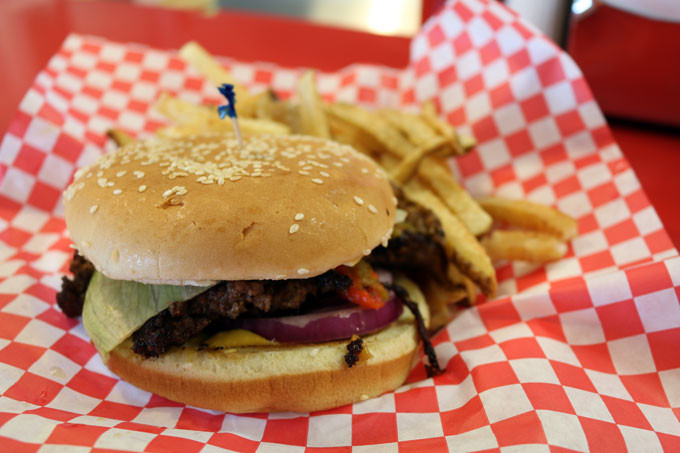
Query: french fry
{"x":259,"y":126}
{"x":523,"y":246}
{"x":456,"y":197}
{"x":463,"y":248}
{"x":414,"y":127}
{"x":388,"y":161}
{"x":467,"y":141}
{"x":441,"y":300}
{"x":292,"y":117}
{"x":195,"y":55}
{"x":249,"y":126}
{"x":313,"y":119}
{"x":457,"y":277}
{"x":344,"y":132}
{"x":428,"y":113}
{"x":531,"y":216}
{"x":409,"y":165}
{"x":121,"y":138}
{"x":458,"y":200}
{"x":269,"y":107}
{"x":193,"y":119}
{"x":181,"y":111}
{"x":383,"y":134}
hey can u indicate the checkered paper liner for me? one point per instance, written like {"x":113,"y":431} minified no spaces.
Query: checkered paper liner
{"x":576,"y":355}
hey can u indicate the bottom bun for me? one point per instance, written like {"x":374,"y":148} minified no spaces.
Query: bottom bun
{"x":300,"y":378}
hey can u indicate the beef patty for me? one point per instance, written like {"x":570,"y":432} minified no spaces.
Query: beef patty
{"x":228,"y":300}
{"x":72,"y":295}
{"x":417,"y":243}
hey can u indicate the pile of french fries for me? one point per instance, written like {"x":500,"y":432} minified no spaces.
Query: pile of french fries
{"x":412,"y":148}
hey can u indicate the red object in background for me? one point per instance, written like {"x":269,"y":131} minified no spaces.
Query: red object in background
{"x":631,"y":63}
{"x":33,"y":31}
{"x":655,"y":156}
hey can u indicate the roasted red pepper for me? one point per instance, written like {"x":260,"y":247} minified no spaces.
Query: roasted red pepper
{"x":366,"y":289}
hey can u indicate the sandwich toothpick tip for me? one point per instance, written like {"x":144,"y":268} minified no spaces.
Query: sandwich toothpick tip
{"x":229,"y":109}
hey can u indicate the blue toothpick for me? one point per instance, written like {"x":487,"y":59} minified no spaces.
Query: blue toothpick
{"x":229,"y":109}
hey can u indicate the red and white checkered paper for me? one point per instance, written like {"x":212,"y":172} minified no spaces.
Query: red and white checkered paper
{"x":576,"y":355}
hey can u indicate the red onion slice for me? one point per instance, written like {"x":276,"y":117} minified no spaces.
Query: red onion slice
{"x":324,"y":325}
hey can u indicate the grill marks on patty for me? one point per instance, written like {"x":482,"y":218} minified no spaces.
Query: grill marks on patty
{"x":228,"y":300}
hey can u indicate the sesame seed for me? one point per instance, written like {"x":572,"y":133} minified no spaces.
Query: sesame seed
{"x":337,"y":164}
{"x":293,"y":228}
{"x":138,"y":174}
{"x":179,"y":190}
{"x":302,"y":172}
{"x":323,"y":173}
{"x":372,"y":209}
{"x":110,"y":184}
{"x":121,"y":173}
{"x":302,"y":271}
{"x":79,"y":172}
{"x":367,"y":252}
{"x":117,"y":192}
{"x":317,"y":181}
{"x":299,"y":216}
{"x":280,"y":277}
{"x":364,"y":171}
{"x":358,"y":200}
{"x":142,"y":188}
{"x":101,"y":182}
{"x":93,"y":209}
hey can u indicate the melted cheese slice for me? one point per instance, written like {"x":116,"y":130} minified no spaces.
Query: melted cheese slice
{"x":237,"y":338}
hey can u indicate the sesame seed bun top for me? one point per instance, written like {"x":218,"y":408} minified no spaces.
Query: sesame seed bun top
{"x":198,"y":209}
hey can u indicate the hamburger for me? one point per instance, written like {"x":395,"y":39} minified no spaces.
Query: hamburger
{"x":248,"y":279}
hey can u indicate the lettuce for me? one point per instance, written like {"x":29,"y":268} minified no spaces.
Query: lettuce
{"x":114,"y":309}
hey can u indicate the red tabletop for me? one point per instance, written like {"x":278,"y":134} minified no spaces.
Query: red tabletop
{"x":33,"y":31}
